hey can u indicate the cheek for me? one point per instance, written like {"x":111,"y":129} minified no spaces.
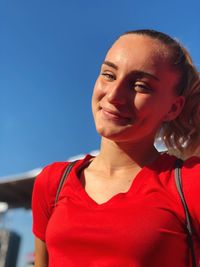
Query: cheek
{"x":98,"y":92}
{"x":96,"y":96}
{"x":143,"y":103}
{"x":150,"y":106}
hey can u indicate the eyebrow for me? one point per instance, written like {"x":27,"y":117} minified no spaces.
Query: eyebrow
{"x":110,"y":64}
{"x":141,"y":74}
{"x":135,"y":72}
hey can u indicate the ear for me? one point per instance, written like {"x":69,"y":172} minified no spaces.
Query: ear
{"x":175,"y":109}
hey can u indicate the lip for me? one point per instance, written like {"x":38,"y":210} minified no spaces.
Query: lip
{"x":113,"y":114}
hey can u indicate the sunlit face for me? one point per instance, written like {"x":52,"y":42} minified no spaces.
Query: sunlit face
{"x":134,"y":92}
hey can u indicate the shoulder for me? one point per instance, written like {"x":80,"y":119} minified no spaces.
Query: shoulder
{"x":50,"y":175}
{"x":43,"y":196}
{"x":44,"y":193}
{"x":190,"y":178}
{"x":190,"y":171}
{"x":47,"y":181}
{"x":192,"y":166}
{"x":167,"y":162}
{"x":191,"y":175}
{"x":46,"y":184}
{"x":191,"y":187}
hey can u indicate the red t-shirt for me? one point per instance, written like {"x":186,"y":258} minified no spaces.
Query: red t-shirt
{"x":144,"y":227}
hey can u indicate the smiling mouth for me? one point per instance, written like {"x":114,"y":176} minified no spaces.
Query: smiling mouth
{"x":113,"y":115}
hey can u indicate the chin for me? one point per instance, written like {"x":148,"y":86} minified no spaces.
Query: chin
{"x":106,"y":132}
{"x":111,"y":134}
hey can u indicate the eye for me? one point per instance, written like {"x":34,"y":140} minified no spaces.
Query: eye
{"x":108,"y":76}
{"x":142,"y":88}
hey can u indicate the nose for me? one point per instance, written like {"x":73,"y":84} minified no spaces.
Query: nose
{"x":117,"y":94}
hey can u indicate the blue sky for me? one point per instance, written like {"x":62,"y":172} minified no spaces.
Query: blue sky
{"x":50,"y":54}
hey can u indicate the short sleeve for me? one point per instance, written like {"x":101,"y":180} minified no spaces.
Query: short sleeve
{"x":43,"y":197}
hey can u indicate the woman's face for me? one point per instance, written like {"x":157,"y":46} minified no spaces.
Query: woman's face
{"x":134,"y":92}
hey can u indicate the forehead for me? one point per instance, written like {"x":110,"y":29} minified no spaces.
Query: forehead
{"x":133,"y":53}
{"x":137,"y":49}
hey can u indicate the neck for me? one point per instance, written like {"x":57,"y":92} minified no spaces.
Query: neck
{"x":125,"y":155}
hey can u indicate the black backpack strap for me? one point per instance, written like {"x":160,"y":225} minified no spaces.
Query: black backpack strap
{"x":62,"y":180}
{"x":177,"y":176}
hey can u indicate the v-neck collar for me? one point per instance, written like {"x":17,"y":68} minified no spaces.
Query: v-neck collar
{"x":139,"y":178}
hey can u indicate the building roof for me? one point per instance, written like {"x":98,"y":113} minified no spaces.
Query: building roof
{"x":16,"y":190}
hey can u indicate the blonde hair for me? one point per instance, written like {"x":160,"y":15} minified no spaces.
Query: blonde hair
{"x":181,"y":135}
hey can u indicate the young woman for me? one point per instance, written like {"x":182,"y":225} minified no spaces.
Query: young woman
{"x":121,"y":208}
